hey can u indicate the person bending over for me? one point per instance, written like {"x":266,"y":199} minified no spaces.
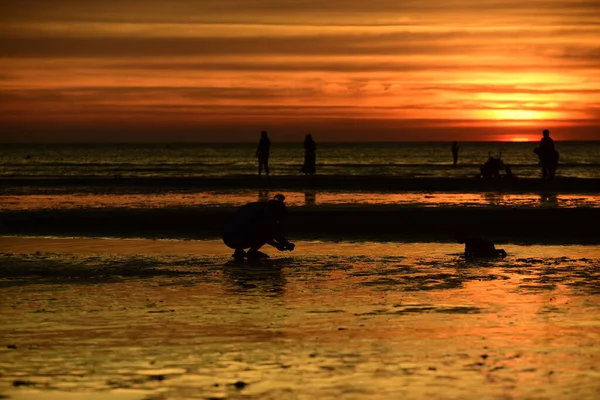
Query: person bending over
{"x":256,"y":224}
{"x":478,"y":247}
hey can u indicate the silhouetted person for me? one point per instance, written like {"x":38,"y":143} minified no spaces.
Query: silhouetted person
{"x":478,"y":247}
{"x":263,"y":152}
{"x":548,"y":156}
{"x":256,"y":224}
{"x":455,"y":148}
{"x":310,"y":156}
{"x":508,"y":174}
{"x":491,"y":168}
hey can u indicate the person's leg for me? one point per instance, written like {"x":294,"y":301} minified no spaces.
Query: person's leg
{"x":239,"y":254}
{"x":254,"y":252}
{"x":267,"y":166}
{"x":552,"y":172}
{"x":260,"y":166}
{"x":234,"y":240}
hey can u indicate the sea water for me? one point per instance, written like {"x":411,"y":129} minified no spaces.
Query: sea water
{"x":578,"y":159}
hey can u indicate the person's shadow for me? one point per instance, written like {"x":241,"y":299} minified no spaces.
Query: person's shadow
{"x":263,"y":276}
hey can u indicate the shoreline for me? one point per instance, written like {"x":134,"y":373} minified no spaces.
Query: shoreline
{"x":319,"y":182}
{"x":364,"y":222}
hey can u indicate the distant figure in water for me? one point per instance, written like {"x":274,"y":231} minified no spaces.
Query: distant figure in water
{"x":478,"y":247}
{"x":492,"y":167}
{"x":455,"y":148}
{"x":548,"y":156}
{"x":310,"y":156}
{"x":508,"y":174}
{"x":256,"y":224}
{"x":263,"y":152}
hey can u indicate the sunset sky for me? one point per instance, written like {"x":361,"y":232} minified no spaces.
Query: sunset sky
{"x":343,"y":70}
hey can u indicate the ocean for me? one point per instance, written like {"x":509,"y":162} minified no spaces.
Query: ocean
{"x":399,"y":160}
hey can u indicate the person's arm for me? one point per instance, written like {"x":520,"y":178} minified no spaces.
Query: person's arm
{"x":279,"y":241}
{"x":281,"y":244}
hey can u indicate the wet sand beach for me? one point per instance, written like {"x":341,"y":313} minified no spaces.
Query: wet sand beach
{"x":170,"y":319}
{"x":122,"y":289}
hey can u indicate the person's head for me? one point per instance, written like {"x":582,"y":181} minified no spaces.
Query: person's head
{"x":263,"y":134}
{"x":278,"y":206}
{"x":546,"y":133}
{"x":308,"y":137}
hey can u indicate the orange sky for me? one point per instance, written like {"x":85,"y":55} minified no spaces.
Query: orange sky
{"x":222,"y":70}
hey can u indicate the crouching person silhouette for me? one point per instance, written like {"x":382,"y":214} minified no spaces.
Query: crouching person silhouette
{"x":256,"y":224}
{"x":478,"y":247}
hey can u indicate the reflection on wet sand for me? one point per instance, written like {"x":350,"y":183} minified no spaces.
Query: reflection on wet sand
{"x":336,"y":320}
{"x":310,"y":198}
{"x":264,"y":195}
{"x":549,"y":199}
{"x":494,"y":199}
{"x":294,"y":199}
{"x":264,"y":277}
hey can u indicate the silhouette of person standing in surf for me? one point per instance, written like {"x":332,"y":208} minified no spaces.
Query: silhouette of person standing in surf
{"x":455,"y":148}
{"x":548,"y":156}
{"x":263,"y":151}
{"x":310,"y":156}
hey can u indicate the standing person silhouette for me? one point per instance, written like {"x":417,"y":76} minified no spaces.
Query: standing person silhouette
{"x":263,"y":152}
{"x":310,"y":156}
{"x":548,"y":155}
{"x":455,"y":148}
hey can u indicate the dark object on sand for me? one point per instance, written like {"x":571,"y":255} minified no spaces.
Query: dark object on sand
{"x":256,"y":224}
{"x":479,"y":247}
